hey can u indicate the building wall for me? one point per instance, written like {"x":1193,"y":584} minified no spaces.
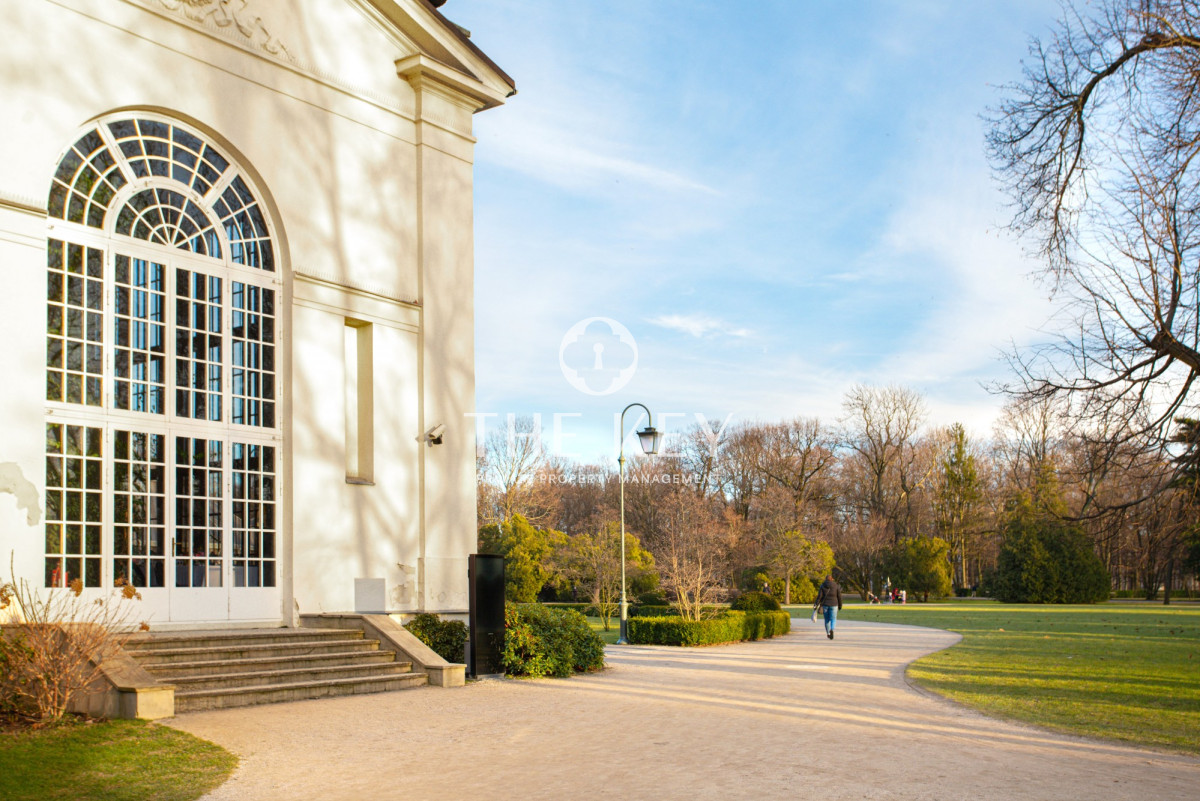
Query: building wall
{"x":367,"y":176}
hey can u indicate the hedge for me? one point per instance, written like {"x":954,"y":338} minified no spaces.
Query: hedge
{"x":541,"y":641}
{"x":730,"y":626}
{"x":635,"y":610}
{"x":665,"y":611}
{"x":585,"y":609}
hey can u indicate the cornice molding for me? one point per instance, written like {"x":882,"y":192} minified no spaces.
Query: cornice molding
{"x":425,"y":73}
{"x":18,"y":203}
{"x":308,"y":275}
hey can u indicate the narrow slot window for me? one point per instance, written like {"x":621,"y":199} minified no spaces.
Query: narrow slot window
{"x":359,"y":403}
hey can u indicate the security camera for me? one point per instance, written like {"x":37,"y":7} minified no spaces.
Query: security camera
{"x":434,"y":437}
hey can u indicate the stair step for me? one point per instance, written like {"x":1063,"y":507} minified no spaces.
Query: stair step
{"x":160,"y":656}
{"x":192,"y":701}
{"x":180,"y":670}
{"x":270,"y":678}
{"x":214,"y":669}
{"x":156,"y":641}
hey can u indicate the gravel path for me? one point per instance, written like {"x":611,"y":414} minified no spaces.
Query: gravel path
{"x":797,"y":716}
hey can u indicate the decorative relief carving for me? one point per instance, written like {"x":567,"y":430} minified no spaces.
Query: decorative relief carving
{"x":231,"y":14}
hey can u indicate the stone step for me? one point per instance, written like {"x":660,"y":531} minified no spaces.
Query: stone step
{"x":193,"y":701}
{"x":215,"y":669}
{"x":171,"y":671}
{"x":296,"y":649}
{"x":268,"y":678}
{"x":212,"y":639}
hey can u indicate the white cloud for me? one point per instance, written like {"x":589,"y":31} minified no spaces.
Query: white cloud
{"x":699,"y":325}
{"x":569,"y":158}
{"x":947,"y":232}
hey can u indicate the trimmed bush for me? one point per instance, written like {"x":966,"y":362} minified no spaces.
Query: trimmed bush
{"x":587,"y":610}
{"x":652,"y":611}
{"x":754,"y":602}
{"x":447,"y":638}
{"x":666,"y":611}
{"x":732,"y":626}
{"x":762,"y":625}
{"x":542,"y":641}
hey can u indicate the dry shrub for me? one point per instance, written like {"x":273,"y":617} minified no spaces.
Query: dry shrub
{"x":53,"y":642}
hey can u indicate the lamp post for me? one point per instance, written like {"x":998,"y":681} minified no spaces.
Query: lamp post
{"x":649,"y":437}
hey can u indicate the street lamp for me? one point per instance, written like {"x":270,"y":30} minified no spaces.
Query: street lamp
{"x":649,"y":437}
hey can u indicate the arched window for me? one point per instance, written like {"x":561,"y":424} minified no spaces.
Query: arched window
{"x":163,"y":437}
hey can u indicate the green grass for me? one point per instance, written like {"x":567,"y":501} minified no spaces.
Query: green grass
{"x":610,"y":637}
{"x":1118,"y":672}
{"x":119,"y":760}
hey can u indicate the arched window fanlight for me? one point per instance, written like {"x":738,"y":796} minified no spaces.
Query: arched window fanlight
{"x":168,"y":218}
{"x":107,"y":158}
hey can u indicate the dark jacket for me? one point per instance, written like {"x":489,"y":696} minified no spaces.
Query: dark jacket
{"x":830,"y":594}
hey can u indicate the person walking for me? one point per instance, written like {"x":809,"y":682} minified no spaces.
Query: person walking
{"x":829,"y":599}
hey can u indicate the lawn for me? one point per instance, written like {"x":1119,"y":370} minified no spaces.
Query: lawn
{"x":1128,"y":673}
{"x":119,"y":760}
{"x":610,"y":636}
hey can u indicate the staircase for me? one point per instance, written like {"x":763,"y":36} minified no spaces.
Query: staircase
{"x":218,"y":669}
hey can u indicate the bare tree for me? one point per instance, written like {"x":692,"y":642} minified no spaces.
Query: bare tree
{"x":1024,"y":440}
{"x":737,"y":467}
{"x":698,"y":454}
{"x":1096,"y":146}
{"x":690,"y":552}
{"x":797,"y":455}
{"x":860,"y":548}
{"x":517,"y":475}
{"x":882,"y":425}
{"x":587,"y":498}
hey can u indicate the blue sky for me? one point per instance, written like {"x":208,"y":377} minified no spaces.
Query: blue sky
{"x":775,"y":200}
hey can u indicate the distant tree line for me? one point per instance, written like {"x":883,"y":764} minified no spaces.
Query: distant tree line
{"x":1043,"y":510}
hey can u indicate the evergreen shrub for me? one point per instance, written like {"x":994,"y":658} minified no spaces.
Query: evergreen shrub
{"x":1045,"y":561}
{"x":754,"y":602}
{"x":803,"y":590}
{"x":543,"y":641}
{"x":1044,"y":558}
{"x":447,"y":638}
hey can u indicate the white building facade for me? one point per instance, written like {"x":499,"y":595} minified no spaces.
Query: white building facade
{"x":237,"y":259}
